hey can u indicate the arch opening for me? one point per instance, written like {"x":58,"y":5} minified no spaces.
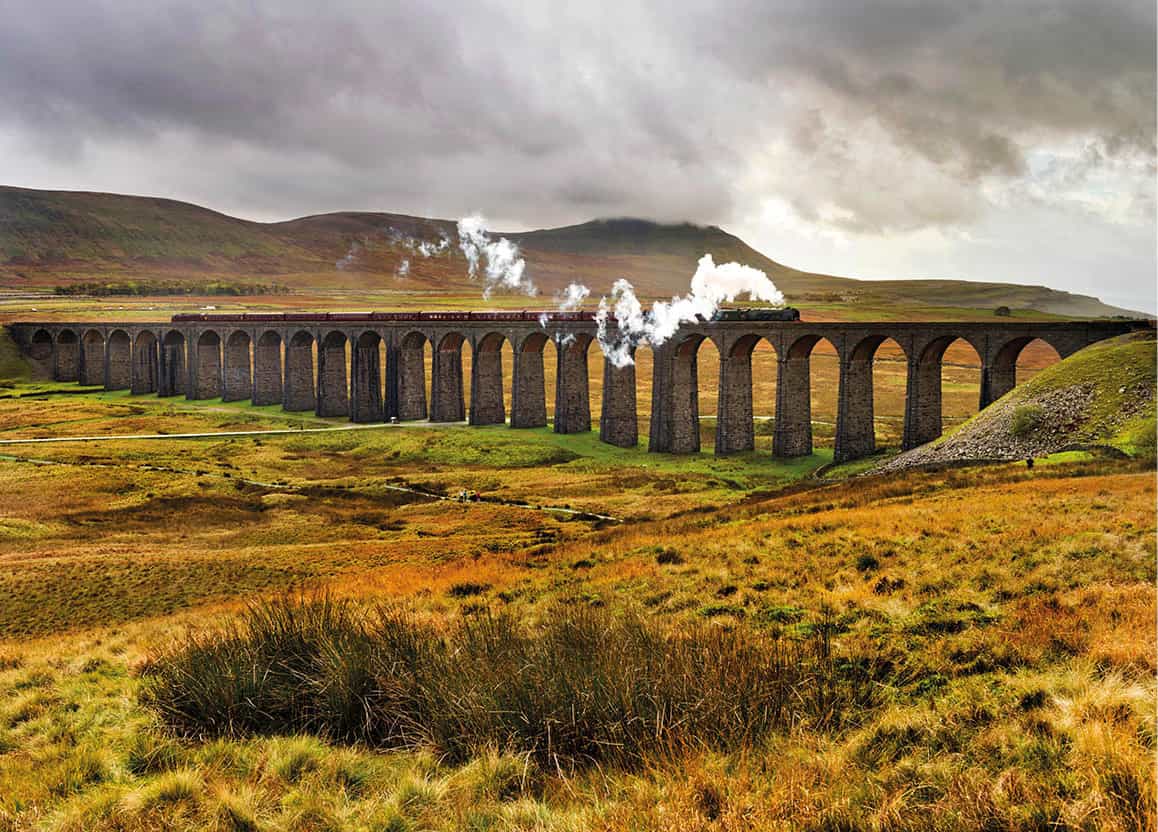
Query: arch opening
{"x":944,"y":388}
{"x":870,"y":407}
{"x":807,"y":387}
{"x":171,"y":376}
{"x":1016,"y":362}
{"x":745,"y":395}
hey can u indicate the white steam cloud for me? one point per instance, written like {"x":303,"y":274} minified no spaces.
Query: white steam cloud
{"x":498,"y":260}
{"x":711,"y":286}
{"x":396,"y":238}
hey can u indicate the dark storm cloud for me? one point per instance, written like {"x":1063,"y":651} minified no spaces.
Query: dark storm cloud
{"x":871,"y":118}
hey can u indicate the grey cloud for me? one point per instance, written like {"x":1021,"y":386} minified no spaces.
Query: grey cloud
{"x":872,"y":118}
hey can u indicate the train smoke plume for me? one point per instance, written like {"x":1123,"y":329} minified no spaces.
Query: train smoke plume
{"x":711,"y":286}
{"x":497,"y":260}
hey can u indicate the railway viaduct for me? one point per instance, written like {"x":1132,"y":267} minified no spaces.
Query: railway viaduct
{"x":333,"y":365}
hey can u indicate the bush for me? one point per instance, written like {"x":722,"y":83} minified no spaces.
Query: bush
{"x":867,"y":563}
{"x":585,"y":687}
{"x":668,"y":557}
{"x":467,"y":589}
{"x":1002,"y":312}
{"x":1026,"y":417}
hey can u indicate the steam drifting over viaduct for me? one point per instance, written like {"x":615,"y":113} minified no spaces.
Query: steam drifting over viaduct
{"x":333,"y":365}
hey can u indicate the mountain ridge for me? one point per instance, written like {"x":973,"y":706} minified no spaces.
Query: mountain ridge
{"x":50,"y":238}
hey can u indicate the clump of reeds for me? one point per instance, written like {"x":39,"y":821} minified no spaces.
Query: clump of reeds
{"x":584,"y":686}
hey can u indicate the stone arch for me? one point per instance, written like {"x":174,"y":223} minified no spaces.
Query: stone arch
{"x":860,"y":398}
{"x":206,"y":377}
{"x":366,"y":400}
{"x":67,"y":358}
{"x":685,"y":395}
{"x":119,"y":361}
{"x":487,"y":406}
{"x":572,"y":390}
{"x":1007,"y":369}
{"x":924,"y":396}
{"x":447,"y":401}
{"x":146,"y":362}
{"x":172,"y":377}
{"x":92,"y":357}
{"x":529,"y":382}
{"x":237,"y":372}
{"x":742,"y":394}
{"x":793,"y":433}
{"x":267,"y":369}
{"x":333,"y":382}
{"x":411,"y":372}
{"x":40,"y":345}
{"x":298,"y":389}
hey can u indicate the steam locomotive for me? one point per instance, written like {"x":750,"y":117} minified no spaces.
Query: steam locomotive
{"x":788,"y":313}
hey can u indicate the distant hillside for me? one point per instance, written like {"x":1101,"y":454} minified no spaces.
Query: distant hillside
{"x":50,"y":238}
{"x":1102,"y":395}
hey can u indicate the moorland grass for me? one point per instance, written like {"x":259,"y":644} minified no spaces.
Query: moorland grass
{"x":585,"y":686}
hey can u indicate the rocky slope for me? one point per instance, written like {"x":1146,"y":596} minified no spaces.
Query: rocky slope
{"x":1102,"y":395}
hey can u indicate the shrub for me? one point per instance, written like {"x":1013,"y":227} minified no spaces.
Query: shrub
{"x":586,"y":686}
{"x":467,"y":589}
{"x":668,"y":557}
{"x":1026,"y":417}
{"x":867,"y":563}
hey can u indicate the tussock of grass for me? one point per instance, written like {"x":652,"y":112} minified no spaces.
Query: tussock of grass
{"x":586,"y":686}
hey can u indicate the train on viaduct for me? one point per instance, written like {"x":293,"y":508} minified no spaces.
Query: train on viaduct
{"x":332,"y":364}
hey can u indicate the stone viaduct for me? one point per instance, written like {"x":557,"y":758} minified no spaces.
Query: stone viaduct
{"x":333,"y":365}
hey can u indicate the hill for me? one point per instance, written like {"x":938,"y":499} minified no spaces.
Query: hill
{"x":53,"y":238}
{"x":1102,"y":395}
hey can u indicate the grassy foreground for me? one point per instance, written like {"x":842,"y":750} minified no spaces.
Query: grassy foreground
{"x":743,"y":647}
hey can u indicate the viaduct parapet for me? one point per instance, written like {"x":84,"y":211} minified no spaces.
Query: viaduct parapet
{"x":333,"y":365}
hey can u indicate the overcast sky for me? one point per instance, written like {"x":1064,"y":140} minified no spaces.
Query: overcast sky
{"x":1011,"y":140}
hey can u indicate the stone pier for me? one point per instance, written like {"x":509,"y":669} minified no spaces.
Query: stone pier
{"x":572,"y":396}
{"x":618,"y":421}
{"x":486,"y":382}
{"x":447,"y":403}
{"x":528,"y":385}
{"x":366,"y":403}
{"x":333,"y":390}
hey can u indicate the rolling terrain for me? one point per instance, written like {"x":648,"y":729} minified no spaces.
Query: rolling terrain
{"x":54,"y":238}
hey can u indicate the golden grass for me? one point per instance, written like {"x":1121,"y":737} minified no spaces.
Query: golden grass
{"x":1011,"y":613}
